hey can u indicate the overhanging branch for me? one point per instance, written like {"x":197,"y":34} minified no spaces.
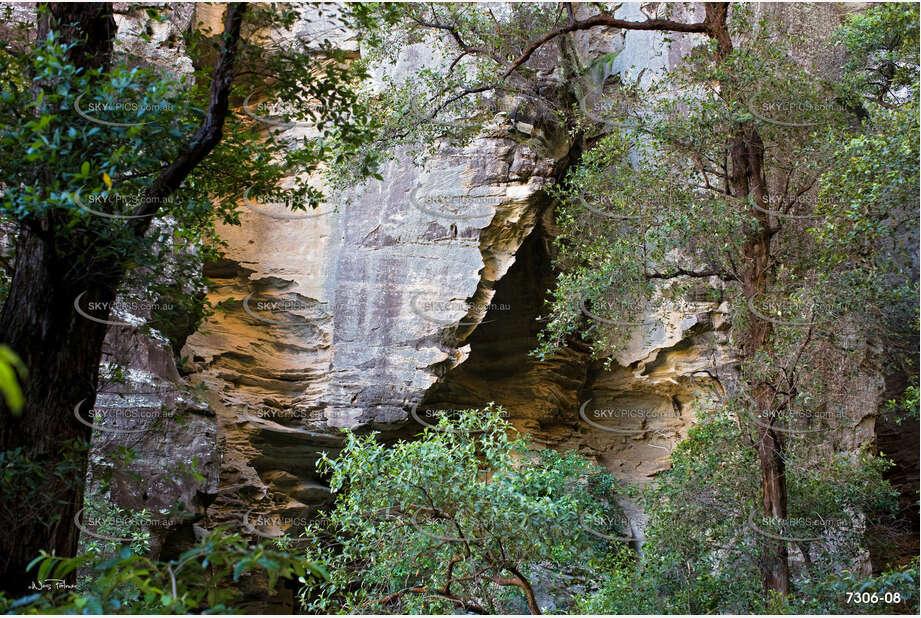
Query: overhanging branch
{"x":607,"y":21}
{"x":209,"y":133}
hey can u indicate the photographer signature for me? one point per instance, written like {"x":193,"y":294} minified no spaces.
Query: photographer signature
{"x":51,"y":584}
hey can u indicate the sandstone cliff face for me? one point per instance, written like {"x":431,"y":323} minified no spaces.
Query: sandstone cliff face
{"x":427,"y":286}
{"x":153,"y":444}
{"x":154,"y":437}
{"x":370,"y":311}
{"x":423,"y":288}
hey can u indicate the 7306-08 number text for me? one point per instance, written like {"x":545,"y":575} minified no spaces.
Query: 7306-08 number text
{"x":874,"y":597}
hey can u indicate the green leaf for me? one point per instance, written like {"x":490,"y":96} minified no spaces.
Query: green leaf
{"x":45,"y":568}
{"x":241,"y":567}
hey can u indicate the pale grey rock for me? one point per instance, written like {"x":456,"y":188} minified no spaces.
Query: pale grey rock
{"x":158,"y":43}
{"x":167,"y":431}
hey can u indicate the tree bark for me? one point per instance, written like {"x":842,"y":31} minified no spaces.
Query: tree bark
{"x":89,"y":26}
{"x":747,"y":180}
{"x":774,"y":499}
{"x":61,"y":349}
{"x":520,"y":581}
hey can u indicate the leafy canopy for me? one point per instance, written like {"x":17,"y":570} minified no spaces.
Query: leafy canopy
{"x":447,"y":521}
{"x":78,"y":148}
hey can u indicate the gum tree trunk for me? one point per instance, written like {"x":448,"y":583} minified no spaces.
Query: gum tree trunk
{"x":747,"y":159}
{"x":746,"y":150}
{"x":60,"y":348}
{"x":62,"y":352}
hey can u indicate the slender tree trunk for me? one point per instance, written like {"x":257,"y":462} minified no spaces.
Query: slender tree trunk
{"x":60,"y":349}
{"x":774,"y":499}
{"x":747,"y":155}
{"x":746,"y":151}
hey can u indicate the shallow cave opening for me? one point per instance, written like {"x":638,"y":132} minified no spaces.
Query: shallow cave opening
{"x":499,"y":368}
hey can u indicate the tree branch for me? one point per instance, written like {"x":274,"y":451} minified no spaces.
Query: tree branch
{"x":465,"y":92}
{"x":464,"y":603}
{"x":450,"y":574}
{"x":393,"y":596}
{"x":452,"y":30}
{"x":467,"y":604}
{"x":520,"y":582}
{"x":697,"y":274}
{"x":209,"y":133}
{"x":608,"y":21}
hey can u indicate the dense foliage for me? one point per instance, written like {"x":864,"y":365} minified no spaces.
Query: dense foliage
{"x":204,"y":579}
{"x":702,"y":552}
{"x":463,"y":518}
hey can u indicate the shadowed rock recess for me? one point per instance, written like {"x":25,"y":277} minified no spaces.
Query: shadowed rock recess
{"x":424,"y":288}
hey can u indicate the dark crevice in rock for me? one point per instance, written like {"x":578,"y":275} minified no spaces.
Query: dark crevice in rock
{"x":896,"y":537}
{"x":499,"y":368}
{"x":223,"y":268}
